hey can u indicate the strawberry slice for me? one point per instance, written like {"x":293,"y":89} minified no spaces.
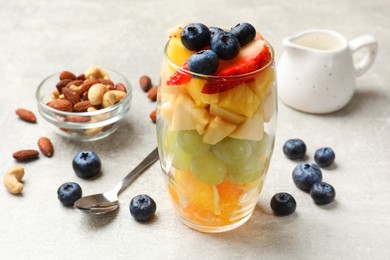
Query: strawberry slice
{"x":180,"y":77}
{"x":251,"y":58}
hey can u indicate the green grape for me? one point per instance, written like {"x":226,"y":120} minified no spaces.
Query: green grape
{"x":191,"y":142}
{"x":168,"y":140}
{"x":232,"y":150}
{"x":208,"y":168}
{"x":259,"y":148}
{"x":245,"y":172}
{"x":180,"y":159}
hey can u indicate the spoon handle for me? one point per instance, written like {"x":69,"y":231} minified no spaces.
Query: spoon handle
{"x":140,"y":168}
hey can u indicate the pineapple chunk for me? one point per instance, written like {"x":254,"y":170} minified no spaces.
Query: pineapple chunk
{"x":241,"y":100}
{"x":194,"y":88}
{"x":262,"y":83}
{"x":187,"y":116}
{"x":226,"y":115}
{"x":251,"y":129}
{"x":177,"y":52}
{"x":217,"y":130}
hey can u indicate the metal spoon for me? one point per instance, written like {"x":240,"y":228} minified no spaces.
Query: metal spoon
{"x":102,"y":203}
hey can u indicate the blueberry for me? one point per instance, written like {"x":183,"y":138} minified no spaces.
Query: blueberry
{"x":68,"y":193}
{"x":294,"y":149}
{"x":225,"y":45}
{"x":322,"y":193}
{"x":204,"y":62}
{"x":324,"y":156}
{"x":86,"y":164}
{"x":142,"y":207}
{"x":245,"y":32}
{"x":283,"y":204}
{"x":306,"y":174}
{"x":214,"y":31}
{"x":195,"y":36}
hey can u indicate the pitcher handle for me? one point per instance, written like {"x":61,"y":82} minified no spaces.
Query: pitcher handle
{"x":365,"y":41}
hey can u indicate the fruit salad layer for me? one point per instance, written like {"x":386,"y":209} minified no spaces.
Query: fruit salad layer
{"x":215,"y":101}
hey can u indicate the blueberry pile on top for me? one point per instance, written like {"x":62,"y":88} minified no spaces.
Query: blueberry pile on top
{"x":224,"y":45}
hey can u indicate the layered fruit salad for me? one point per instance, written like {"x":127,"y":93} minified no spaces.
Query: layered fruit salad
{"x":216,"y":121}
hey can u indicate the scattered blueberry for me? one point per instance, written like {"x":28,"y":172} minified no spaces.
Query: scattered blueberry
{"x":306,"y":174}
{"x":214,"y":31}
{"x":142,"y":207}
{"x":86,"y":164}
{"x":195,"y":36}
{"x":322,"y":193}
{"x":294,"y":149}
{"x":225,"y":45}
{"x":283,"y":204}
{"x":204,"y":62}
{"x":68,"y":193}
{"x":245,"y":32}
{"x":324,"y":156}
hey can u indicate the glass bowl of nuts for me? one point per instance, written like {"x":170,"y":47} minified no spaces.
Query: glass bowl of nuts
{"x":86,"y":107}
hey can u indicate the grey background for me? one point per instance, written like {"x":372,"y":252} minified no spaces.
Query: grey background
{"x":38,"y":38}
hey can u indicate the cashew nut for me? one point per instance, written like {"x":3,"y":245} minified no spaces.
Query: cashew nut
{"x":95,"y":72}
{"x":96,"y":92}
{"x":12,"y":179}
{"x":112,"y":97}
{"x":95,"y":118}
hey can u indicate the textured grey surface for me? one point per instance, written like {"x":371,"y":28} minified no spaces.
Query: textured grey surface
{"x":38,"y":38}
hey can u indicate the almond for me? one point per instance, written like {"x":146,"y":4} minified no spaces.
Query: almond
{"x":153,"y":116}
{"x":82,"y":106}
{"x":61,"y":104}
{"x":62,"y":83}
{"x":24,"y":155}
{"x":87,"y":84}
{"x":78,"y":119}
{"x":119,"y":86}
{"x":81,"y":76}
{"x":67,"y":75}
{"x":26,"y":115}
{"x":145,"y":82}
{"x":152,"y":94}
{"x":106,"y":81}
{"x":71,"y":95}
{"x":46,"y":146}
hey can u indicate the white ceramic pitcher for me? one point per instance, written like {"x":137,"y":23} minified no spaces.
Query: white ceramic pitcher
{"x":317,"y":71}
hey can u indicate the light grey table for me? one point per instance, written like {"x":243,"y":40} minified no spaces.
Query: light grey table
{"x":38,"y":38}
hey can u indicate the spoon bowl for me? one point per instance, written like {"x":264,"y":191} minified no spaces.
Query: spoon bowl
{"x":103,"y":203}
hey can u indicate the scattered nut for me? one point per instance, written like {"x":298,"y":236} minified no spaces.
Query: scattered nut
{"x":96,"y":92}
{"x":25,"y":155}
{"x":12,"y":179}
{"x":152,"y":93}
{"x":145,"y":82}
{"x":26,"y":115}
{"x":46,"y":146}
{"x":81,"y":76}
{"x":95,"y":72}
{"x":67,"y":75}
{"x":153,"y":116}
